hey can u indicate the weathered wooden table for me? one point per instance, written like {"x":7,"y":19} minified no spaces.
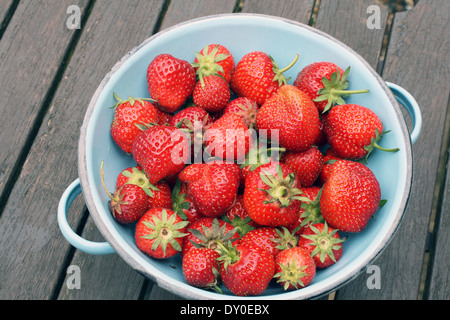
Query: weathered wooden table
{"x":50,"y":68}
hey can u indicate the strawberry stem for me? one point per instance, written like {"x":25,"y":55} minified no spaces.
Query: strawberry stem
{"x":103,"y":183}
{"x":290,"y":65}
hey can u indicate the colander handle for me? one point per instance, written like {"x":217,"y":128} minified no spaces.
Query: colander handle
{"x":91,"y":247}
{"x":411,"y":105}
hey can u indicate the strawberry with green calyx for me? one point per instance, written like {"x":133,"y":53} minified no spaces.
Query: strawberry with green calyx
{"x":245,"y":108}
{"x":326,"y":84}
{"x":238,"y":217}
{"x":136,"y":175}
{"x":323,"y":243}
{"x":258,"y":77}
{"x":201,"y":269}
{"x":295,"y":268}
{"x":213,"y":94}
{"x":272,"y":195}
{"x":129,"y":116}
{"x":245,"y":269}
{"x":207,"y":232}
{"x":159,"y":233}
{"x":214,"y":59}
{"x":350,"y":196}
{"x":128,"y":203}
{"x":353,"y":131}
{"x":309,"y":212}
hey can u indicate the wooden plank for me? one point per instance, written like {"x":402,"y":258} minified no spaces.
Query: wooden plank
{"x":31,"y":50}
{"x":295,"y":10}
{"x":34,"y":251}
{"x":417,"y":60}
{"x":6,"y":9}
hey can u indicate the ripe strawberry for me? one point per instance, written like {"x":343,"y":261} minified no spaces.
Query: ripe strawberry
{"x":270,"y":239}
{"x":190,"y":116}
{"x":212,"y":186}
{"x":212,"y":94}
{"x":291,"y":116}
{"x":323,"y":243}
{"x":214,"y":59}
{"x":258,"y":77}
{"x":244,"y":107}
{"x":309,"y":212}
{"x":307,"y":165}
{"x":163,"y":117}
{"x":162,"y":198}
{"x":350,"y":196}
{"x":325,"y":83}
{"x":128,"y":203}
{"x":129,"y":117}
{"x":162,"y":151}
{"x":159,"y":233}
{"x":353,"y":131}
{"x":201,"y":269}
{"x":228,"y":138}
{"x":183,"y":204}
{"x":329,"y":158}
{"x":170,"y":81}
{"x":295,"y":268}
{"x":238,"y":217}
{"x":271,"y":195}
{"x":246,"y":269}
{"x":208,"y":232}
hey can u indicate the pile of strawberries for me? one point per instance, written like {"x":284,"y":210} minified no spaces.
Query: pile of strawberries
{"x":250,"y":179}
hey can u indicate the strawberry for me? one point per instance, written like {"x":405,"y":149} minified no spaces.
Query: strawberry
{"x":163,"y":117}
{"x":309,"y":212}
{"x":244,"y":107}
{"x":212,"y":186}
{"x":246,"y":269}
{"x":208,"y":232}
{"x":162,"y":151}
{"x":325,"y":83}
{"x":291,"y":116}
{"x":214,"y":59}
{"x":295,"y":268}
{"x":353,"y":131}
{"x":238,"y":217}
{"x":128,"y":203}
{"x":212,"y":94}
{"x":307,"y":165}
{"x":323,"y":243}
{"x":183,"y":204}
{"x":271,"y":195}
{"x":329,"y":158}
{"x":228,"y":138}
{"x":258,"y":77}
{"x":201,"y":269}
{"x":129,"y":117}
{"x":270,"y":239}
{"x":190,"y":116}
{"x":350,"y":196}
{"x":170,"y":81}
{"x":159,"y":233}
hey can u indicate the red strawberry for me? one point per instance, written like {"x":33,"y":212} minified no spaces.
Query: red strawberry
{"x":258,"y":77}
{"x":350,"y":196}
{"x":212,"y":94}
{"x":325,"y":83}
{"x":208,"y":232}
{"x":307,"y":165}
{"x":238,"y":217}
{"x":159,"y":233}
{"x":128,"y":203}
{"x":170,"y":81}
{"x":309,"y":212}
{"x":162,"y":198}
{"x":228,"y":138}
{"x":271,"y":195}
{"x":329,"y":158}
{"x":214,"y":59}
{"x":130,"y":117}
{"x":291,"y":116}
{"x":353,"y":131}
{"x":323,"y":243}
{"x":213,"y":186}
{"x":183,"y":204}
{"x":190,"y":116}
{"x":163,"y":117}
{"x":246,"y":269}
{"x":295,"y":268}
{"x":201,"y":269}
{"x":162,"y":151}
{"x":244,"y":107}
{"x":270,"y":239}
